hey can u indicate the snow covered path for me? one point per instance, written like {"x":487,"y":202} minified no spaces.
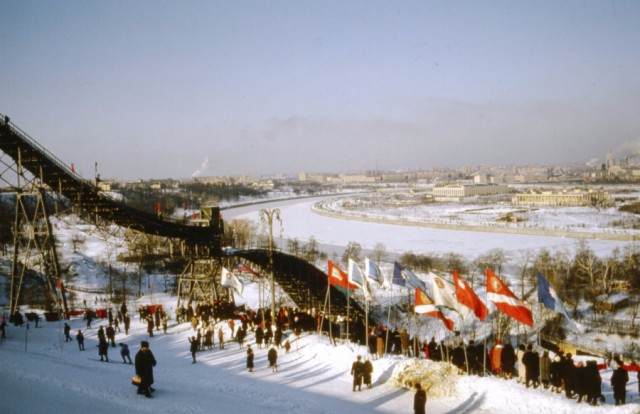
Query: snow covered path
{"x":314,"y":378}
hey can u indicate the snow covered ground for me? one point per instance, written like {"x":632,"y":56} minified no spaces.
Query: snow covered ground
{"x":42,"y":374}
{"x":334,"y":234}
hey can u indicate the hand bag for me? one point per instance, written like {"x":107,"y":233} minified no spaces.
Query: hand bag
{"x":136,"y":380}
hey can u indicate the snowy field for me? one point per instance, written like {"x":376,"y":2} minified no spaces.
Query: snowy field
{"x":42,"y":374}
{"x":334,"y":234}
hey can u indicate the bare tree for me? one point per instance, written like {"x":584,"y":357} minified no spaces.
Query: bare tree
{"x":352,"y":251}
{"x":585,"y":269}
{"x":310,"y":251}
{"x":293,"y":246}
{"x":494,"y":259}
{"x":379,"y":253}
{"x":455,"y":261}
{"x":524,"y":267}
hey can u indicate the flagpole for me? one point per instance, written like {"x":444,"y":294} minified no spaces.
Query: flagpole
{"x":388,"y":320}
{"x":484,"y":358}
{"x":464,"y":347}
{"x":348,"y":317}
{"x":324,"y":310}
{"x":366,"y":318}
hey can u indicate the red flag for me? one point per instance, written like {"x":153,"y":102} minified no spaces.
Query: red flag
{"x":338,"y":277}
{"x":468,"y":297}
{"x":60,"y":285}
{"x":506,"y":301}
{"x":426,"y":306}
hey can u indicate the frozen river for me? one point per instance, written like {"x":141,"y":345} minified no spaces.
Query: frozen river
{"x":334,"y":234}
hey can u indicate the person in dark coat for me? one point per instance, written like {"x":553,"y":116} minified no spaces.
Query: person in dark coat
{"x":193,"y":348}
{"x":127,"y":322}
{"x":67,"y":332}
{"x":508,"y":360}
{"x":457,"y":358}
{"x":531,"y":361}
{"x":111,"y":335}
{"x":367,"y":371}
{"x":259,"y":336}
{"x":594,"y":382}
{"x":80,"y":339}
{"x":272,"y":356}
{"x":124,"y":353}
{"x":568,"y":370}
{"x":249,"y":358}
{"x":357,"y":370}
{"x":580,"y":383}
{"x":420,"y":400}
{"x":103,"y":349}
{"x":144,"y":362}
{"x":556,"y":374}
{"x":619,"y":380}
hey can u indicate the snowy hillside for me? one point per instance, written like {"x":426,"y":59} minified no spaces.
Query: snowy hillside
{"x":42,"y":374}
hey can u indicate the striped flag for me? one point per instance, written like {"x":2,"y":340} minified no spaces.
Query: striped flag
{"x":506,"y":301}
{"x":426,"y":306}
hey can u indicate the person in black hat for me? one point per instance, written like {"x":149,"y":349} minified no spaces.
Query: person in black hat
{"x":145,"y":361}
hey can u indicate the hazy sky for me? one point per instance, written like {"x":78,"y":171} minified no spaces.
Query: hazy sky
{"x":154,"y":89}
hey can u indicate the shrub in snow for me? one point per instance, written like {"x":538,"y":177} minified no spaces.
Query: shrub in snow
{"x":438,"y":378}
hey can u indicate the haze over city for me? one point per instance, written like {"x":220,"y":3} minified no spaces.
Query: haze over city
{"x":161,"y":89}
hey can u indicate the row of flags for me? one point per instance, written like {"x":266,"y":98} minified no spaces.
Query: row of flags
{"x":457,"y":296}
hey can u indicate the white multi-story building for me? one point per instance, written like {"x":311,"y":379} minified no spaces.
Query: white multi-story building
{"x":458,"y":192}
{"x":566,"y":198}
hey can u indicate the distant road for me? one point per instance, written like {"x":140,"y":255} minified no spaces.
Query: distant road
{"x":318,"y":209}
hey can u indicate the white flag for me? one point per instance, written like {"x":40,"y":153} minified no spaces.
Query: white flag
{"x":357,"y":278}
{"x":373,"y":272}
{"x":444,"y":295}
{"x":230,"y":280}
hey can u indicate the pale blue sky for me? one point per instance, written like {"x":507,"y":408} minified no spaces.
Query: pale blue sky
{"x":153,"y":88}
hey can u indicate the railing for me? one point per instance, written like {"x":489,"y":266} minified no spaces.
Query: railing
{"x":43,"y":151}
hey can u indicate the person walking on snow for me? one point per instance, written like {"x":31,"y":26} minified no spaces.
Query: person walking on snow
{"x":124,"y":353}
{"x":193,"y":348}
{"x":249,"y":358}
{"x":272,"y":356}
{"x":420,"y":400}
{"x":357,"y":370}
{"x":80,"y":339}
{"x":367,"y":368}
{"x":144,"y":363}
{"x":67,"y":332}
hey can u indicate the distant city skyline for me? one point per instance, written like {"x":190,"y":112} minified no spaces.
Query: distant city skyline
{"x":208,"y":88}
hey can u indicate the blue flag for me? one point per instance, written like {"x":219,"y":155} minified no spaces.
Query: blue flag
{"x":398,"y":279}
{"x":410,"y":279}
{"x":549,"y":298}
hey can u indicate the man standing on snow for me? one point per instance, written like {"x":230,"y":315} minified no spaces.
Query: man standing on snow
{"x":357,"y":369}
{"x":67,"y":332}
{"x":193,"y":348}
{"x":420,"y":400}
{"x":221,"y":337}
{"x":80,"y":339}
{"x":619,"y":380}
{"x":272,"y":356}
{"x":249,"y":358}
{"x":144,"y":363}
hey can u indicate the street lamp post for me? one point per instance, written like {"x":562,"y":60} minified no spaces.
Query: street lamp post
{"x":267,"y":216}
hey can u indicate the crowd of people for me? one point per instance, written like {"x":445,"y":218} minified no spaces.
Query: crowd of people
{"x":555,"y":371}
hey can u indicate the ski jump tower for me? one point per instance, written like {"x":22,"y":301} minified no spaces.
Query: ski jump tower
{"x":42,"y":182}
